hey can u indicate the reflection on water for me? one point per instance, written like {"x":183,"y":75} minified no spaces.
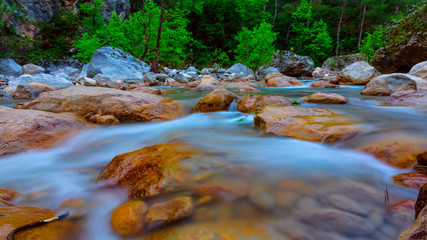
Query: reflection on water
{"x":276,"y":187}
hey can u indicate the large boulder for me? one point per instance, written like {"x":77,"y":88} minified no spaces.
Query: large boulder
{"x":255,"y":103}
{"x":47,"y":79}
{"x":265,"y":70}
{"x":117,"y":64}
{"x":358,"y":73}
{"x":23,"y":130}
{"x":217,"y":100}
{"x":124,"y":105}
{"x":338,"y":63}
{"x":240,"y":69}
{"x":386,"y":84}
{"x":291,"y":64}
{"x":419,"y":70}
{"x":283,"y":81}
{"x":8,"y":67}
{"x":405,"y":43}
{"x":25,"y":92}
{"x":311,"y":124}
{"x":411,"y":98}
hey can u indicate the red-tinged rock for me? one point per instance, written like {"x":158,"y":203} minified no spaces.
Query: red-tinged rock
{"x":156,"y":91}
{"x":247,"y":90}
{"x":224,"y":191}
{"x":405,"y":205}
{"x":284,"y":81}
{"x":64,"y":230}
{"x":128,"y":219}
{"x":72,"y":203}
{"x":8,"y":195}
{"x":412,"y":179}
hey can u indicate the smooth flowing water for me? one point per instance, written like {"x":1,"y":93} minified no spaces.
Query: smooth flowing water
{"x":296,"y":188}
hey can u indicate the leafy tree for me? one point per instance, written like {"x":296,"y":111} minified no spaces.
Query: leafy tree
{"x":92,"y":17}
{"x":320,"y":45}
{"x":373,"y":42}
{"x":299,"y":26}
{"x":256,"y":46}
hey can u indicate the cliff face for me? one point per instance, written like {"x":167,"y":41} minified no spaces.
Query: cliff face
{"x":406,"y":43}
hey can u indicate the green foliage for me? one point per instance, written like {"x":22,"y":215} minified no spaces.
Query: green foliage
{"x":296,"y":103}
{"x":372,"y":42}
{"x":319,"y":42}
{"x":299,"y":26}
{"x":92,"y":17}
{"x":256,"y":47}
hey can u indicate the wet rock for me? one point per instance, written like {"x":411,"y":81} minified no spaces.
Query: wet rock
{"x":72,"y":203}
{"x":32,"y":69}
{"x":311,"y":124}
{"x":346,"y":204}
{"x":148,"y":171}
{"x":23,"y":130}
{"x":170,"y":211}
{"x":25,"y":92}
{"x":179,"y":77}
{"x":412,"y":179}
{"x":240,"y":84}
{"x":217,"y":100}
{"x":103,"y":80}
{"x":325,"y":98}
{"x":358,"y":73}
{"x":247,"y":90}
{"x":422,"y":158}
{"x":208,"y":80}
{"x":264,"y":71}
{"x":283,"y":81}
{"x":329,"y":236}
{"x":421,"y":200}
{"x":273,"y":75}
{"x":64,"y":230}
{"x":15,"y":217}
{"x":124,"y":105}
{"x":8,"y":195}
{"x":405,"y":205}
{"x":42,"y":87}
{"x":411,"y":98}
{"x":386,"y":84}
{"x":161,"y":77}
{"x":8,"y":67}
{"x":418,"y":230}
{"x":291,"y":64}
{"x":323,"y":84}
{"x":128,"y":219}
{"x":255,"y":103}
{"x":107,"y":120}
{"x":156,"y":91}
{"x":240,"y":69}
{"x":336,"y":221}
{"x":116,"y":64}
{"x":223,"y":191}
{"x":173,"y":83}
{"x":262,"y":196}
{"x":340,"y":62}
{"x":419,"y":70}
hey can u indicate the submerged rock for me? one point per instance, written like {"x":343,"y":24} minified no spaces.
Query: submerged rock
{"x":358,"y":73}
{"x":217,"y":100}
{"x":128,"y":219}
{"x":124,"y":105}
{"x":170,"y":211}
{"x":23,"y":130}
{"x":411,"y":179}
{"x":386,"y":84}
{"x":255,"y":103}
{"x":323,"y":84}
{"x":325,"y":98}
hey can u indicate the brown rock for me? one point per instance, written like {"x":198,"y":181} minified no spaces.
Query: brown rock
{"x":223,"y":191}
{"x":124,"y":105}
{"x":25,"y":92}
{"x":412,"y":98}
{"x":128,"y":218}
{"x":273,"y":75}
{"x":72,"y":203}
{"x":405,"y":205}
{"x":64,"y":230}
{"x":92,"y":117}
{"x":311,"y":124}
{"x":173,"y":83}
{"x":23,"y":130}
{"x":8,"y":195}
{"x":284,"y":81}
{"x":42,"y":87}
{"x":208,"y":80}
{"x":32,"y":69}
{"x":240,"y":84}
{"x":15,"y":217}
{"x":323,"y":84}
{"x":148,"y":171}
{"x":217,"y":100}
{"x":255,"y":103}
{"x":421,"y":200}
{"x":422,"y":158}
{"x":156,"y":91}
{"x":418,"y":231}
{"x":412,"y":179}
{"x":107,"y":120}
{"x":386,"y":84}
{"x":247,"y":90}
{"x":170,"y":211}
{"x":325,"y":98}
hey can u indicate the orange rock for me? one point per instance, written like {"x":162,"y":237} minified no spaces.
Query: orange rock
{"x":64,"y":230}
{"x":254,"y":104}
{"x":405,"y":205}
{"x":148,"y":171}
{"x":311,"y":124}
{"x":411,"y":179}
{"x":170,"y":211}
{"x":247,"y":90}
{"x":323,"y":84}
{"x":284,"y":81}
{"x":72,"y":203}
{"x":107,"y":120}
{"x":128,"y":218}
{"x":8,"y":195}
{"x":173,"y":83}
{"x":325,"y":98}
{"x":227,"y":190}
{"x":217,"y":100}
{"x":273,"y":75}
{"x":15,"y":217}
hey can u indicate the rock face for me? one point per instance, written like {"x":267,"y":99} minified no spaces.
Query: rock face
{"x":32,"y":69}
{"x":405,"y":45}
{"x":22,"y":130}
{"x":240,"y":69}
{"x":386,"y":84}
{"x":116,"y":64}
{"x":358,"y":73}
{"x":148,"y":171}
{"x":128,"y":218}
{"x":217,"y":100}
{"x":419,"y":70}
{"x":311,"y":124}
{"x":124,"y":105}
{"x":325,"y":98}
{"x":412,"y":98}
{"x":8,"y":67}
{"x":338,"y":63}
{"x":170,"y":211}
{"x":254,"y":104}
{"x":291,"y":64}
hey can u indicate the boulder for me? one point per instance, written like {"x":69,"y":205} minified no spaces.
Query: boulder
{"x":273,"y":75}
{"x":208,"y":80}
{"x":25,"y":92}
{"x":85,"y":81}
{"x":386,"y":84}
{"x":150,"y":78}
{"x":161,"y":77}
{"x":311,"y":124}
{"x":117,"y":64}
{"x":124,"y":105}
{"x":23,"y":130}
{"x":128,"y":219}
{"x":418,"y":231}
{"x":148,"y":171}
{"x":71,"y":71}
{"x":10,"y":68}
{"x":32,"y":69}
{"x":247,"y":90}
{"x":240,"y":69}
{"x":179,"y":77}
{"x":191,"y":69}
{"x":173,"y":83}
{"x":411,"y":98}
{"x":255,"y":103}
{"x":283,"y":81}
{"x":47,"y":79}
{"x":358,"y":73}
{"x":217,"y":100}
{"x":42,"y":87}
{"x":338,"y":63}
{"x":156,"y":91}
{"x":419,"y":70}
{"x":103,"y":80}
{"x":291,"y":64}
{"x":323,"y":84}
{"x":170,"y":211}
{"x":265,"y":70}
{"x":325,"y":98}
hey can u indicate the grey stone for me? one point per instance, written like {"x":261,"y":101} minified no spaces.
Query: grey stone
{"x":150,"y":78}
{"x":105,"y":81}
{"x":294,"y":65}
{"x":419,"y":70}
{"x":25,"y":92}
{"x":180,"y":78}
{"x":338,"y":63}
{"x":85,"y":81}
{"x":358,"y":73}
{"x":72,"y":72}
{"x":8,"y":67}
{"x":240,"y":69}
{"x":386,"y":84}
{"x":162,"y":77}
{"x":265,"y":70}
{"x":32,"y":69}
{"x":48,"y":79}
{"x":191,"y":69}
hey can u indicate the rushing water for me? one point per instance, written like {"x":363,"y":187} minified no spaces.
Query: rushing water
{"x":327,"y":174}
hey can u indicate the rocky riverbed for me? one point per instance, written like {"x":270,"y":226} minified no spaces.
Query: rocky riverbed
{"x":211,"y":154}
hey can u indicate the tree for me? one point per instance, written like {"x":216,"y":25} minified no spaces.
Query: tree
{"x":159,"y":33}
{"x":373,"y":42}
{"x":299,"y":25}
{"x":320,"y":44}
{"x":256,"y":46}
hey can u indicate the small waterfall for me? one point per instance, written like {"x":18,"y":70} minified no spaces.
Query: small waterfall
{"x":233,"y":106}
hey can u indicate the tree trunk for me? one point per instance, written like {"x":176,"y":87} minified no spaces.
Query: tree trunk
{"x":265,"y":7}
{"x":275,"y":12}
{"x":361,"y":25}
{"x":339,"y":28}
{"x":159,"y":35}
